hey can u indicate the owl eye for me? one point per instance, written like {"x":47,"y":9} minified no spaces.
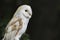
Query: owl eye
{"x":26,"y":10}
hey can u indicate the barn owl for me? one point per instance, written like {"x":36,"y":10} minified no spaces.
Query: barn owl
{"x":18,"y":24}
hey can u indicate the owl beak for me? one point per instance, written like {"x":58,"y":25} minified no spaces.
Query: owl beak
{"x":30,"y":14}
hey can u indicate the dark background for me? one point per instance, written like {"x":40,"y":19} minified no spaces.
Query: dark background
{"x":45,"y":22}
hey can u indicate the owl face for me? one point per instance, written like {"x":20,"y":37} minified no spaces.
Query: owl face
{"x":24,"y":10}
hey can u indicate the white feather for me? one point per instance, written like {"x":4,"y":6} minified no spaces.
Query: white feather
{"x":18,"y":24}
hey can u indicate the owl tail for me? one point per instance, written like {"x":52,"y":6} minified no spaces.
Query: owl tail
{"x":3,"y":39}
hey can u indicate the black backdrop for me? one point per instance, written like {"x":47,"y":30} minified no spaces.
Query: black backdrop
{"x":45,"y":22}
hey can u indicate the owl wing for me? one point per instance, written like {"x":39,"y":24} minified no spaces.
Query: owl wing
{"x":15,"y":24}
{"x":13,"y":20}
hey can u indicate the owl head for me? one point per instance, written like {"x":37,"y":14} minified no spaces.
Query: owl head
{"x":24,"y":10}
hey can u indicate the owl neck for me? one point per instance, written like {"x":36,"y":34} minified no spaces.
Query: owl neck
{"x":26,"y":20}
